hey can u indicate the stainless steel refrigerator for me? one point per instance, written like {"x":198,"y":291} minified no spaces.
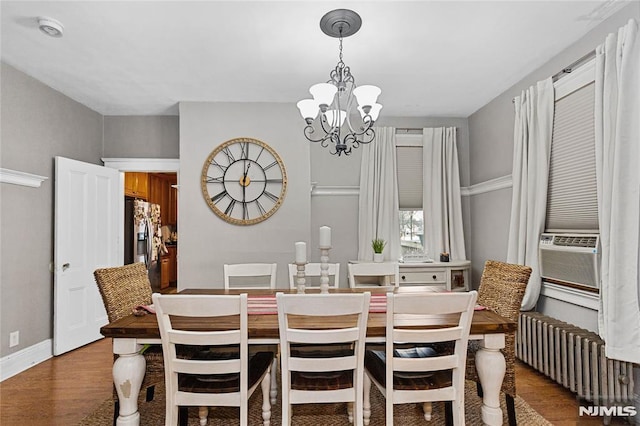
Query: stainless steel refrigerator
{"x":143,"y":239}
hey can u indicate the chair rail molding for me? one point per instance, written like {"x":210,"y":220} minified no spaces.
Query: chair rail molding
{"x":487,"y":186}
{"x":21,"y":178}
{"x":465,"y":191}
{"x":143,"y":164}
{"x":334,"y":190}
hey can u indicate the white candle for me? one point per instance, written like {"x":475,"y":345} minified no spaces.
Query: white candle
{"x":301,"y":252}
{"x":325,"y":236}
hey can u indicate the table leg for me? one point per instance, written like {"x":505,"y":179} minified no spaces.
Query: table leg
{"x":273,"y":392}
{"x":128,"y":372}
{"x":491,"y":367}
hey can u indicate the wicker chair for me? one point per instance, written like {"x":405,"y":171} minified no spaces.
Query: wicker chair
{"x":122,"y":289}
{"x":501,"y":289}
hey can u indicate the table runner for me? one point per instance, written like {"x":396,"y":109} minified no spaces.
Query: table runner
{"x":266,"y":304}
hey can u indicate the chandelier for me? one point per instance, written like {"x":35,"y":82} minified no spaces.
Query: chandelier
{"x":334,"y":101}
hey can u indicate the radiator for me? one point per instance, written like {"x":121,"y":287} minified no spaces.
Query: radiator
{"x":575,"y":358}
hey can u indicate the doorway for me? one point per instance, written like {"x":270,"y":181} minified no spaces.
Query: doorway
{"x":154,"y":181}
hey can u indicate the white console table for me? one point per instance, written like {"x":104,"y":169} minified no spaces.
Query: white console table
{"x":452,"y":276}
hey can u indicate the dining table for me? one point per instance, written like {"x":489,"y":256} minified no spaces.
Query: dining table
{"x":131,"y":333}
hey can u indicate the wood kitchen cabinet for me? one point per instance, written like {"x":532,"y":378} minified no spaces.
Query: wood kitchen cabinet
{"x":136,"y":184}
{"x":162,"y":193}
{"x":165,"y":273}
{"x":173,"y":201}
{"x":173,"y":264}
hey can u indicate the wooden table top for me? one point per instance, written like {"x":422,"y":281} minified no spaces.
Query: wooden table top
{"x":265,"y":326}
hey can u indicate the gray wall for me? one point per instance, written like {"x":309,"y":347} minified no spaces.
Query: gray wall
{"x":491,"y":147}
{"x":141,"y":136}
{"x":206,"y":242}
{"x":37,"y":124}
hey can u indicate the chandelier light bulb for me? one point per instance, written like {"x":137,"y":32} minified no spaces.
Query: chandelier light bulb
{"x":308,"y":109}
{"x":374,"y":111}
{"x":366,"y":95}
{"x":335,"y":118}
{"x":323,"y":94}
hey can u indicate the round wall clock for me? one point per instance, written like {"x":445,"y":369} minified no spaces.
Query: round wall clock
{"x":244,"y":181}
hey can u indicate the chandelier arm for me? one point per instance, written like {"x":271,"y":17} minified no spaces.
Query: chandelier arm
{"x":308,"y":130}
{"x":367,"y":126}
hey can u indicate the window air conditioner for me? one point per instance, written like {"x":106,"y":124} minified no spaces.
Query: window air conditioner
{"x":570,"y":258}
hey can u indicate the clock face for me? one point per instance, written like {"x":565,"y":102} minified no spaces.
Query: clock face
{"x":244,"y":181}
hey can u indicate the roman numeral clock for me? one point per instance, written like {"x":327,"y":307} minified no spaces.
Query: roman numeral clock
{"x":244,"y":181}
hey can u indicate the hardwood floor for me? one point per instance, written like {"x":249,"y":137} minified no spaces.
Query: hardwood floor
{"x":63,"y":390}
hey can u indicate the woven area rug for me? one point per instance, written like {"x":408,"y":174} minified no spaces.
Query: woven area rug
{"x":152,"y":413}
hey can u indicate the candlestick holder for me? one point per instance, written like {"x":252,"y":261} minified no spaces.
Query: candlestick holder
{"x":324,"y":269}
{"x":300,"y":277}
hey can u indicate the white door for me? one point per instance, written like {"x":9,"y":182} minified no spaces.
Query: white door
{"x":89,"y":201}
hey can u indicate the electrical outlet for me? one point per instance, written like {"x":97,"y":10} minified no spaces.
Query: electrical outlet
{"x":14,"y":339}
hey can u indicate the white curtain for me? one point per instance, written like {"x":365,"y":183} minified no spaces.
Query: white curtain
{"x":531,"y":151}
{"x":617,"y":119}
{"x":441,"y":194}
{"x":378,"y":203}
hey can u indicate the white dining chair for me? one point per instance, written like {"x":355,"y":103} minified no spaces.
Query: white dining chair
{"x":377,"y":273}
{"x":223,"y":374}
{"x":313,"y":270}
{"x":418,"y":373}
{"x":255,"y":275}
{"x":323,"y":376}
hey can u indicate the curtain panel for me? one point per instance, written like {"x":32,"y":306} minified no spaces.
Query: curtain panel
{"x":617,"y":132}
{"x":533,"y":126}
{"x":441,"y":194}
{"x":378,"y":203}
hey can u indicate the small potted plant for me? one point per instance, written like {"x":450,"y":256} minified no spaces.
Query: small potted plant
{"x":378,"y":246}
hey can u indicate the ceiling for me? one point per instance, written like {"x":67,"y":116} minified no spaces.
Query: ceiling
{"x":430,"y":58}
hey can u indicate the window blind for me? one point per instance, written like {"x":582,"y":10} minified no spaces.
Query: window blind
{"x":410,"y":177}
{"x":572,"y":198}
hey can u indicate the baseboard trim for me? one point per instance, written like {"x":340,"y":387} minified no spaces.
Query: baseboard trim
{"x":24,"y":359}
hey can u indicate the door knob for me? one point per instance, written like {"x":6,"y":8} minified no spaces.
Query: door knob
{"x":66,"y":266}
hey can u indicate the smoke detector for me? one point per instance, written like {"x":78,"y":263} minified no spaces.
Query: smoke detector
{"x":50,"y":26}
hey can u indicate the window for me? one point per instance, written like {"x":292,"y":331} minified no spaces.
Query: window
{"x":410,"y":178}
{"x":572,"y":203}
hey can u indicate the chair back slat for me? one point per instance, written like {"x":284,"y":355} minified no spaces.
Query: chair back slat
{"x":428,"y":336}
{"x":435,"y":363}
{"x":200,"y":307}
{"x":437,"y":304}
{"x":208,"y":338}
{"x":315,"y":305}
{"x":323,"y":364}
{"x":265,"y":273}
{"x":341,"y":335}
{"x":207,"y":367}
